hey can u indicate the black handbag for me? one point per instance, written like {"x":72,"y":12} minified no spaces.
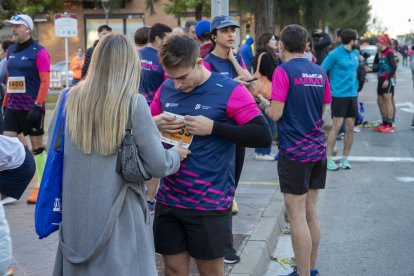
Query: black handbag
{"x":129,"y":164}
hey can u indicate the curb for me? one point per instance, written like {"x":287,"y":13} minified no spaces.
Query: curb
{"x":258,"y":251}
{"x":50,"y":106}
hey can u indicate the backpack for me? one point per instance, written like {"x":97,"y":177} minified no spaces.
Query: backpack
{"x":361,"y":73}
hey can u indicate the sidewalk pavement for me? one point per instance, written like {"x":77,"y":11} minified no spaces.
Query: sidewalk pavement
{"x":255,"y":229}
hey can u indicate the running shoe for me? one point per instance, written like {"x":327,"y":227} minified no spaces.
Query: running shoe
{"x":277,"y":156}
{"x":32,"y":199}
{"x":340,"y":136}
{"x":10,"y":271}
{"x":313,"y":272}
{"x":386,"y":129}
{"x":377,"y":128}
{"x":151,"y":207}
{"x":232,"y":258}
{"x":8,"y":200}
{"x":332,"y":165}
{"x":234,"y":207}
{"x":357,"y":129}
{"x":376,"y":123}
{"x":293,"y":273}
{"x":264,"y":157}
{"x":344,"y":164}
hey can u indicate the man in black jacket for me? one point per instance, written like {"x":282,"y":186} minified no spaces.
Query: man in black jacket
{"x":321,"y":43}
{"x":102,"y":30}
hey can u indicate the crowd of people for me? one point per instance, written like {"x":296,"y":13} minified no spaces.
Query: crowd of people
{"x":194,"y":107}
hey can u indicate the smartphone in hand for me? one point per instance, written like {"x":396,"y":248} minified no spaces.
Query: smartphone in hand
{"x":253,"y":79}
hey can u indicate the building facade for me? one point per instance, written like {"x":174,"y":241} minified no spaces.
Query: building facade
{"x":126,"y":19}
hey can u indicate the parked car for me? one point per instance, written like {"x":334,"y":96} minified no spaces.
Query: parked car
{"x":58,"y":74}
{"x":369,"y":52}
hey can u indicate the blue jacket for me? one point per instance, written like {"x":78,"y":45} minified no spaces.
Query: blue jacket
{"x":246,"y":51}
{"x":342,"y":65}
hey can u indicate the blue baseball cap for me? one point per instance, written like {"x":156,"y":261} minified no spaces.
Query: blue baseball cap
{"x":222,"y":21}
{"x":202,"y":29}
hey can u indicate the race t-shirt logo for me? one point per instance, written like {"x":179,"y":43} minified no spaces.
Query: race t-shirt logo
{"x":171,"y":105}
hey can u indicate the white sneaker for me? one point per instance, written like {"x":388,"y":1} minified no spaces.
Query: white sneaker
{"x":357,"y":129}
{"x":8,"y":200}
{"x":264,"y":157}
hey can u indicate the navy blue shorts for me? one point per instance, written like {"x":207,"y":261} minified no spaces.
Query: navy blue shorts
{"x":14,"y":182}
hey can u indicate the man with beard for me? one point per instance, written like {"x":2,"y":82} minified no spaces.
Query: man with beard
{"x":342,"y":64}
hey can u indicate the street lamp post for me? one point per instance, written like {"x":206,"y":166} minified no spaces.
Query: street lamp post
{"x":219,"y":7}
{"x":106,"y":5}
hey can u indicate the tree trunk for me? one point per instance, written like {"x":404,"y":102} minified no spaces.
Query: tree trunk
{"x":199,"y":12}
{"x":264,"y":17}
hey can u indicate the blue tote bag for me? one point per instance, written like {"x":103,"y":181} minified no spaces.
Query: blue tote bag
{"x":48,"y":213}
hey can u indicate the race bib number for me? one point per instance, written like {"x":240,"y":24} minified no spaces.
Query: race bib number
{"x":16,"y":85}
{"x":174,"y":138}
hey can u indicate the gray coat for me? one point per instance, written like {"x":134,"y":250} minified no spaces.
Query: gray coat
{"x":105,"y":227}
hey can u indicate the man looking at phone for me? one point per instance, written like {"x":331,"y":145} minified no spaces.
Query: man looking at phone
{"x":193,"y":212}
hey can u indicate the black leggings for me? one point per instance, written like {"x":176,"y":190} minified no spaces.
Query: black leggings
{"x":240,"y":153}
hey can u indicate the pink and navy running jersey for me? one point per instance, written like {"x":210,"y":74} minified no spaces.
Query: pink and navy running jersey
{"x":26,"y":63}
{"x":205,"y":180}
{"x":224,"y":66}
{"x":304,"y":88}
{"x":152,"y":73}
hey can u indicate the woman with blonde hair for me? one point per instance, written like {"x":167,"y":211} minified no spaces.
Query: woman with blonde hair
{"x":105,"y":227}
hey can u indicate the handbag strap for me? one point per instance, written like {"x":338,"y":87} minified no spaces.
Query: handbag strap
{"x":128,"y":128}
{"x":59,"y":130}
{"x":75,"y":257}
{"x":259,"y":60}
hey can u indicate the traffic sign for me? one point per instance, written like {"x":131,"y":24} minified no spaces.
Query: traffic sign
{"x":66,"y":25}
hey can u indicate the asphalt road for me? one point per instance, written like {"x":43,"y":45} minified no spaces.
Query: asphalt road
{"x":367,"y":213}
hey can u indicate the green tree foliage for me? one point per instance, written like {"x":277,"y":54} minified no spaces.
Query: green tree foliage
{"x":9,"y":8}
{"x":348,"y":14}
{"x":32,"y":7}
{"x":288,"y":11}
{"x":178,"y":7}
{"x":324,"y":13}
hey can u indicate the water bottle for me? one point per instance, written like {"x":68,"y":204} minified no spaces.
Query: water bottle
{"x":361,"y":113}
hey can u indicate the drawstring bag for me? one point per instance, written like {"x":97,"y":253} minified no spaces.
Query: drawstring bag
{"x":48,"y":213}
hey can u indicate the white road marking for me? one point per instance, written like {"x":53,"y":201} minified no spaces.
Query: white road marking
{"x":405,"y":179}
{"x":377,"y":159}
{"x":409,"y":110}
{"x":258,"y":182}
